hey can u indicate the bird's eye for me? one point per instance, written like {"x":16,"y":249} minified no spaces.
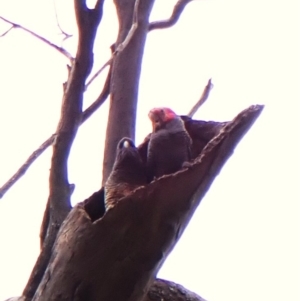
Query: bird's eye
{"x":126,"y":144}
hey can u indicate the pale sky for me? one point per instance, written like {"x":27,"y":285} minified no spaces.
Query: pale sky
{"x":242,"y":243}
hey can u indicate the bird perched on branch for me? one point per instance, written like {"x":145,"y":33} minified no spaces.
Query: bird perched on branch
{"x":128,"y":173}
{"x":170,"y":144}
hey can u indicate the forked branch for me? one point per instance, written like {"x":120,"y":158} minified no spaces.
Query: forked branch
{"x":121,"y":46}
{"x":58,"y":205}
{"x":96,"y":74}
{"x":178,"y":9}
{"x":99,"y":101}
{"x":86,"y":114}
{"x":66,"y":35}
{"x":59,"y":49}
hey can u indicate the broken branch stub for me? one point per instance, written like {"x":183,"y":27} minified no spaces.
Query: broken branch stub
{"x":116,"y":257}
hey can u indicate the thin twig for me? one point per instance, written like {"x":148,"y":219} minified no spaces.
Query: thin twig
{"x":67,"y":36}
{"x":202,"y":99}
{"x":98,"y":73}
{"x":21,"y":171}
{"x":86,"y":114}
{"x":59,"y":49}
{"x":178,"y":9}
{"x":6,"y":32}
{"x":99,"y":101}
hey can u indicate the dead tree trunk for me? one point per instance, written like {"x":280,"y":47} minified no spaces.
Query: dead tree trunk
{"x":115,"y":256}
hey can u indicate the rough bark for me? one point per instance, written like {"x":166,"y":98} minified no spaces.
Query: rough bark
{"x":126,"y":68}
{"x":58,"y":205}
{"x":115,"y":256}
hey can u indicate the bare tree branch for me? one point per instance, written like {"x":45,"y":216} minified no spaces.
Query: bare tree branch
{"x":85,"y":116}
{"x":178,"y":9}
{"x":59,"y":49}
{"x":59,"y":205}
{"x":21,"y":171}
{"x":155,"y":25}
{"x":202,"y":99}
{"x":122,"y":45}
{"x":133,"y":28}
{"x":98,"y":72}
{"x":99,"y":101}
{"x":6,"y":32}
{"x":98,"y":6}
{"x":66,"y":35}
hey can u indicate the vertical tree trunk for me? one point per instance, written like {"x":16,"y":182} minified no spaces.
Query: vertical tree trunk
{"x":126,"y":71}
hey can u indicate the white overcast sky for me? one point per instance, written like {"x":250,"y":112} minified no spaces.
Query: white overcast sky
{"x":243,"y":241}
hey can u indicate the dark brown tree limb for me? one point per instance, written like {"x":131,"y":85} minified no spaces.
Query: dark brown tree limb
{"x":125,"y":247}
{"x":58,"y":204}
{"x":126,"y":69}
{"x":202,"y":99}
{"x":177,"y":10}
{"x":59,"y":49}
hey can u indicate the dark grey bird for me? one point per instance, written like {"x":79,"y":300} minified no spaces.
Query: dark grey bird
{"x":128,"y":173}
{"x":170,"y":144}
